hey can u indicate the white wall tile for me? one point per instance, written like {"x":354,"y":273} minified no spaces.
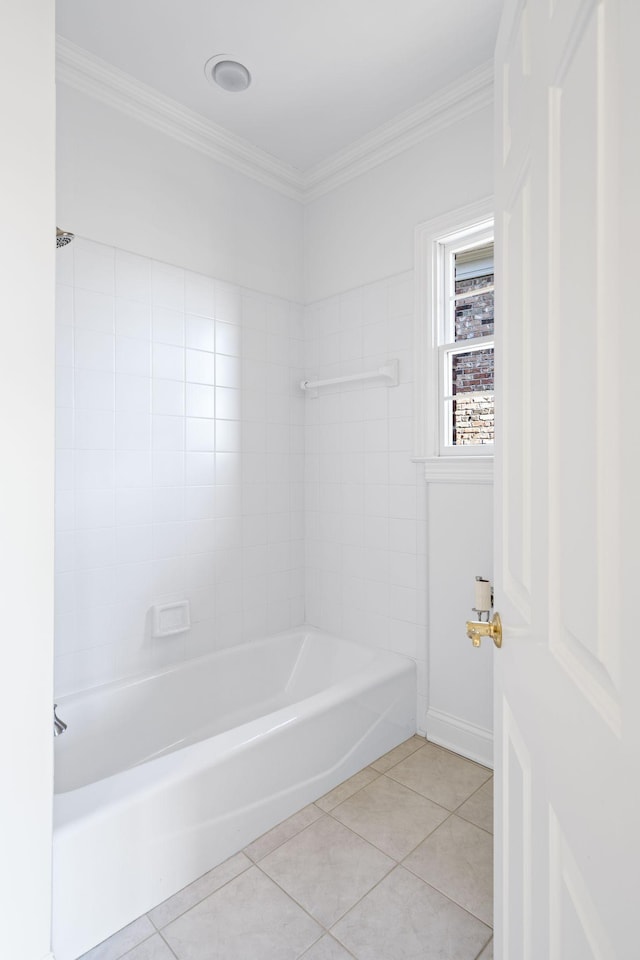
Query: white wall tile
{"x":199,"y":468}
{"x":168,"y":397}
{"x":133,"y":505}
{"x":167,"y":286}
{"x":94,"y":430}
{"x":228,"y":404}
{"x":133,"y":468}
{"x":94,"y":390}
{"x":133,"y":431}
{"x":200,"y":333}
{"x":201,"y":367}
{"x":168,"y":468}
{"x":150,"y":499}
{"x":228,"y":371}
{"x":168,"y":326}
{"x":168,"y":503}
{"x":95,"y":586}
{"x":199,"y":294}
{"x":133,"y":319}
{"x":94,"y":266}
{"x":133,"y":276}
{"x":167,"y":433}
{"x":200,"y":400}
{"x":64,"y":265}
{"x":228,"y":338}
{"x":133,"y":394}
{"x":228,"y":435}
{"x":64,"y":346}
{"x":94,"y":469}
{"x":228,"y":303}
{"x":168,"y":539}
{"x":94,"y":508}
{"x":64,"y":387}
{"x":200,"y":435}
{"x":65,"y":507}
{"x":168,"y":362}
{"x":363,"y":514}
{"x":94,"y":311}
{"x":94,"y":350}
{"x":200,"y":502}
{"x":133,"y":356}
{"x":200,"y":536}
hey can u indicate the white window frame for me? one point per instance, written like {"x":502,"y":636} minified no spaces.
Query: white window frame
{"x":434,"y":241}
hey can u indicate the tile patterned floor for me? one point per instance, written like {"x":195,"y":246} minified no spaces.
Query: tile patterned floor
{"x":394,"y":864}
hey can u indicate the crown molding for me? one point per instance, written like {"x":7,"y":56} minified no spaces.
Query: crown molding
{"x":89,"y":74}
{"x":471,"y":92}
{"x":85,"y":72}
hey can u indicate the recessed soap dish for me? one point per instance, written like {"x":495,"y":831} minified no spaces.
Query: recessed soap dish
{"x":170,"y":618}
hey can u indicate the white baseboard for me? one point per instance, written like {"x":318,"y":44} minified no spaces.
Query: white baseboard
{"x":462,"y":737}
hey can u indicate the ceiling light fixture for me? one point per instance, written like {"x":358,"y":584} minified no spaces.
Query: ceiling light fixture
{"x":227,"y":73}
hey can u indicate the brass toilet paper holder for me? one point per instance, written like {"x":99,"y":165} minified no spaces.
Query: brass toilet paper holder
{"x":477,"y":629}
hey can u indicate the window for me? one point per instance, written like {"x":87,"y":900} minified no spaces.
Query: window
{"x":455,"y":346}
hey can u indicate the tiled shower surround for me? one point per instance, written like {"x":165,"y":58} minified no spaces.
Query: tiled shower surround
{"x":187,"y":456}
{"x":179,"y":473}
{"x":366,"y":537}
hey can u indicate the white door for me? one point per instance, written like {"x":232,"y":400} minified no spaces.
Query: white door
{"x":567,"y":679}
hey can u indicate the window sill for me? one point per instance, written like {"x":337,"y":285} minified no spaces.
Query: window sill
{"x":457,"y":469}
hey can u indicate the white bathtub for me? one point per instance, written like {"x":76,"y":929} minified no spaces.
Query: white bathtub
{"x":160,"y":778}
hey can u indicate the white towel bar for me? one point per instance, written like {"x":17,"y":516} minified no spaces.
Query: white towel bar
{"x":389,"y":371}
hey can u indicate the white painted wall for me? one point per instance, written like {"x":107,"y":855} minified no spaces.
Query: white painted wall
{"x":26,"y":506}
{"x":363,"y":231}
{"x":359,"y":243}
{"x":130,"y":186}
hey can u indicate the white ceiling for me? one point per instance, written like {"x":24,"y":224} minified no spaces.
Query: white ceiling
{"x":325,"y":72}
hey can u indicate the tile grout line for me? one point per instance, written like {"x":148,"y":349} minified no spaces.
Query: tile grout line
{"x":450,"y":899}
{"x":486,"y":945}
{"x":329,"y":813}
{"x":168,"y":945}
{"x":457,"y":809}
{"x":202,"y":899}
{"x":123,"y":956}
{"x":354,"y":794}
{"x":374,"y":844}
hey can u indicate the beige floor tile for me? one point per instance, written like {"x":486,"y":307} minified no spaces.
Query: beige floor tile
{"x":406,"y":919}
{"x":152,"y":949}
{"x":203,"y":887}
{"x":401,"y":752}
{"x":487,"y":953}
{"x":327,"y":949}
{"x":390,"y":816}
{"x":249,"y":917}
{"x":122,"y":941}
{"x":288,"y":828}
{"x":457,"y":859}
{"x":478,"y":808}
{"x":440,"y":775}
{"x":326,"y":868}
{"x":345,"y":790}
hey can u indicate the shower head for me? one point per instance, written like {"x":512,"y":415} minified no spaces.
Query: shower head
{"x":63,"y":237}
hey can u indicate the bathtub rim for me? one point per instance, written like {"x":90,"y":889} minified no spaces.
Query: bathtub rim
{"x":74,"y":807}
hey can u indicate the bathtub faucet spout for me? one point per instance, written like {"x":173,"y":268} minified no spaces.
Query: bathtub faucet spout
{"x":59,"y":726}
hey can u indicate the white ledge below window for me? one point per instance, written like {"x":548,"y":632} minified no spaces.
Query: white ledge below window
{"x":457,"y":469}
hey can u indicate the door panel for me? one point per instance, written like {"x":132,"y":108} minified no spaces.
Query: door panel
{"x":567,"y":708}
{"x":517,"y":840}
{"x":516,"y":353}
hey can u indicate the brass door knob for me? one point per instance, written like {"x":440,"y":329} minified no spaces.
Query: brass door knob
{"x":477,"y":629}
